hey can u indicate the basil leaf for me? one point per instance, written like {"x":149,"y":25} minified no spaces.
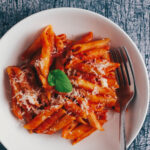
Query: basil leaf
{"x":51,"y":80}
{"x":60,"y":80}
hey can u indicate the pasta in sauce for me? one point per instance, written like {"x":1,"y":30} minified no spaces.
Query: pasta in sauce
{"x":88,"y":66}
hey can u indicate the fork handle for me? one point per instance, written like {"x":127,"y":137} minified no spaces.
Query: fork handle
{"x":122,"y":131}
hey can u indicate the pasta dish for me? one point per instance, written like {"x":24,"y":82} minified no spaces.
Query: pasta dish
{"x":64,"y":85}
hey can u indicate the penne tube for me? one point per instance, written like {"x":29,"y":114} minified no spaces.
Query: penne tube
{"x":21,"y":88}
{"x":13,"y":78}
{"x":94,"y":121}
{"x":96,"y":107}
{"x":81,"y":120}
{"x":70,"y":106}
{"x":110,"y":75}
{"x":28,"y":116}
{"x":63,"y":37}
{"x":73,"y":62}
{"x":33,"y":48}
{"x":91,"y":87}
{"x":78,"y":131}
{"x":86,"y":134}
{"x":49,"y":121}
{"x":97,"y":99}
{"x":78,"y":48}
{"x":85,"y":68}
{"x":102,"y":122}
{"x":59,"y":46}
{"x":68,"y":129}
{"x":41,"y":117}
{"x":111,"y":67}
{"x":97,"y":53}
{"x":105,"y":67}
{"x":85,"y":38}
{"x":45,"y":83}
{"x":16,"y":109}
{"x":43,"y":60}
{"x":61,"y":123}
{"x":112,"y":83}
{"x":103,"y":100}
{"x":46,"y":52}
{"x":89,"y":55}
{"x":59,"y":63}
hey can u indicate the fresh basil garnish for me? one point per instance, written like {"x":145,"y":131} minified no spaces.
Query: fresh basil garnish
{"x":60,"y":80}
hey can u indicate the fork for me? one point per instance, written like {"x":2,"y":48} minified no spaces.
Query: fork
{"x":127,"y":88}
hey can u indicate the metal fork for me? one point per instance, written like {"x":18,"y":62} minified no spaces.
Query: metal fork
{"x":127,"y":88}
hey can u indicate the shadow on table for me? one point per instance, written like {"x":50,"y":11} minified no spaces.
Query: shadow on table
{"x":2,"y":147}
{"x":10,"y":18}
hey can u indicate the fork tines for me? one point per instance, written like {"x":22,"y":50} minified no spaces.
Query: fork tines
{"x":124,"y":73}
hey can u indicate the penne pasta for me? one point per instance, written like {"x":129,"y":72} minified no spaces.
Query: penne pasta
{"x":94,"y":121}
{"x":16,"y":109}
{"x":78,"y":48}
{"x":32,"y":49}
{"x":86,"y":38}
{"x":83,"y":136}
{"x":103,"y":100}
{"x":81,"y":120}
{"x":44,"y":126}
{"x":64,"y":85}
{"x":74,"y":108}
{"x":95,"y":53}
{"x":68,"y":129}
{"x":63,"y":37}
{"x":59,"y":63}
{"x":64,"y":121}
{"x":42,"y":116}
{"x":21,"y":89}
{"x":59,"y":46}
{"x":78,"y":131}
{"x":90,"y":86}
{"x":43,"y":60}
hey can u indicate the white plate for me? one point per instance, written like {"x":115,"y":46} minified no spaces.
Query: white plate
{"x":73,"y":22}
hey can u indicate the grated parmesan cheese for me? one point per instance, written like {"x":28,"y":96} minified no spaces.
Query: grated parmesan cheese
{"x":15,"y":80}
{"x":76,"y":93}
{"x":101,"y":66}
{"x":55,"y":102}
{"x":104,"y":82}
{"x":71,"y":57}
{"x":84,"y":106}
{"x":93,"y":71}
{"x":74,"y":82}
{"x":54,"y":52}
{"x":36,"y":111}
{"x":69,"y":71}
{"x":95,"y":91}
{"x":29,"y":97}
{"x":40,"y":62}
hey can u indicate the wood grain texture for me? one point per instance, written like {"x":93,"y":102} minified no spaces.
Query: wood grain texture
{"x":131,"y":15}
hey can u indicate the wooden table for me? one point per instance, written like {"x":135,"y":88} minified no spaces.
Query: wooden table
{"x":133,"y":16}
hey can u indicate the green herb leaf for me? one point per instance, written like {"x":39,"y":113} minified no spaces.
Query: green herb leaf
{"x":51,"y":79}
{"x":60,"y":80}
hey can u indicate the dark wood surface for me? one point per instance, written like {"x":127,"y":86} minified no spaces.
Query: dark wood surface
{"x":131,"y":15}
